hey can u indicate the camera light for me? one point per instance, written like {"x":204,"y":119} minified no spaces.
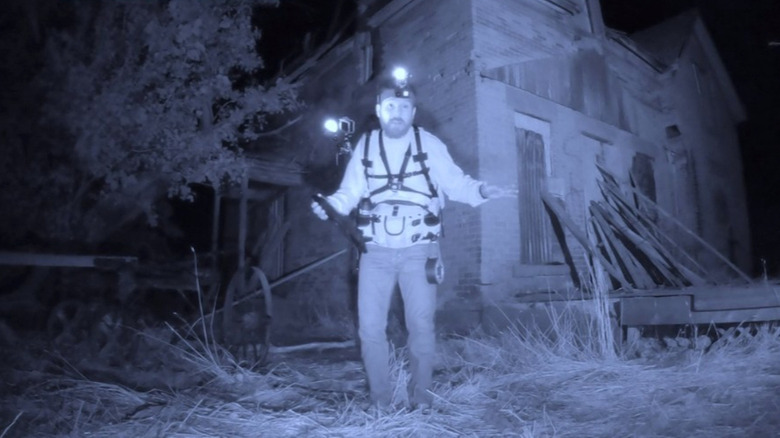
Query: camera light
{"x":332,"y":126}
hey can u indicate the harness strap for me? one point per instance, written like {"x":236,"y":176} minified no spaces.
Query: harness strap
{"x":420,"y":157}
{"x":383,"y":156}
{"x":405,"y":175}
{"x":400,"y":189}
{"x":395,"y":180}
{"x":366,"y":162}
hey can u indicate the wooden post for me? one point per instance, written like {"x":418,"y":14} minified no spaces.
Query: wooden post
{"x":242,"y":230}
{"x":215,"y":215}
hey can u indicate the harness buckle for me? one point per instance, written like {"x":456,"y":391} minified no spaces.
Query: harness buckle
{"x":394,"y":184}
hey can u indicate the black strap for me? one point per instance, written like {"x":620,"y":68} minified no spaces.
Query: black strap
{"x":405,"y":175}
{"x":383,"y":156}
{"x":401,"y":188}
{"x":420,"y":158}
{"x":366,"y":162}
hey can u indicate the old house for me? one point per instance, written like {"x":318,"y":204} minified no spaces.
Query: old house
{"x":534,"y":93}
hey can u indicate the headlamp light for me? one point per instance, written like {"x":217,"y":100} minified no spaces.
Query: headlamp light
{"x":401,"y":77}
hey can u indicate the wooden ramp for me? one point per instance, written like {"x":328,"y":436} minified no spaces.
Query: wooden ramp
{"x":701,"y":305}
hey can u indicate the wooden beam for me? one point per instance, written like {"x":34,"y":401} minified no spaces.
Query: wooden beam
{"x":10,"y":258}
{"x":734,"y":297}
{"x":580,"y":236}
{"x":704,"y":243}
{"x":643,"y":224}
{"x":601,"y":233}
{"x":676,"y":310}
{"x":654,"y":258}
{"x":763,"y":314}
{"x":642,"y":279}
{"x":656,"y":310}
{"x":388,"y":11}
{"x":317,"y":346}
{"x":271,"y":172}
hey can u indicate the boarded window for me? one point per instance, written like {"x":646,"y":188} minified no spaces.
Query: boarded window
{"x":643,"y":179}
{"x":536,"y":234}
{"x":642,"y":173}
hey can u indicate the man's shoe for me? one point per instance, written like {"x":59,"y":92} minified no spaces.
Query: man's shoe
{"x":423,"y":408}
{"x":375,"y":409}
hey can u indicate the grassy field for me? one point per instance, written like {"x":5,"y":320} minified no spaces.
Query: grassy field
{"x":571,"y":381}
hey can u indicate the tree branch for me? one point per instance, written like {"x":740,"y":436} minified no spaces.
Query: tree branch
{"x":281,"y":128}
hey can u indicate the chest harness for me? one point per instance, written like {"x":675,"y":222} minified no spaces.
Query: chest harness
{"x":398,"y":223}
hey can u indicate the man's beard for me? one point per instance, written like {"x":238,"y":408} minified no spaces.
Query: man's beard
{"x":396,"y":128}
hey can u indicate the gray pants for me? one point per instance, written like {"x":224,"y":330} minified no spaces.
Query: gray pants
{"x":380,"y":269}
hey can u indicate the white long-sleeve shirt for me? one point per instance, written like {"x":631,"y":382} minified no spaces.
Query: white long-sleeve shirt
{"x":445,"y":175}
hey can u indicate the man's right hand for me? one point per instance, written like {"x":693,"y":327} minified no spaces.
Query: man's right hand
{"x":317,"y":209}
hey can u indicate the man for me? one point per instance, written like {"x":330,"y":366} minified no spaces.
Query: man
{"x":397,"y":177}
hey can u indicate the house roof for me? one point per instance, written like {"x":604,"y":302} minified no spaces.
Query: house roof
{"x":666,"y":40}
{"x":274,"y":170}
{"x":660,"y":47}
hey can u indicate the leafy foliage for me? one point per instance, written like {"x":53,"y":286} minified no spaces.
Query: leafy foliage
{"x":143,"y":99}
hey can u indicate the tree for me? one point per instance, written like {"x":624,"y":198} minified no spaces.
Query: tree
{"x":142,"y":99}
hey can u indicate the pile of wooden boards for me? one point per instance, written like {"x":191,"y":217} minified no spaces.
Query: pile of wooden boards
{"x":627,"y":242}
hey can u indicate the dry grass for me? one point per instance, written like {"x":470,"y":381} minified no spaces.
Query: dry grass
{"x":569,"y":381}
{"x":514,"y":384}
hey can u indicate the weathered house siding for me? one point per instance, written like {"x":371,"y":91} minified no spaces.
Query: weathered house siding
{"x":508,"y":32}
{"x":706,"y":115}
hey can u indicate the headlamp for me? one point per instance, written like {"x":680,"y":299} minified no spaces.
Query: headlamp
{"x":399,"y":88}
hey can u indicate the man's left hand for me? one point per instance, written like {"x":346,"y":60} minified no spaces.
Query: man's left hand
{"x":495,"y":192}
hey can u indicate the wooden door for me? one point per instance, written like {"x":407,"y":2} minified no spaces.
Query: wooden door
{"x":536,"y":235}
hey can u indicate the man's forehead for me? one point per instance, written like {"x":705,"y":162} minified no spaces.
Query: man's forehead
{"x":398,"y":101}
{"x":394,"y":92}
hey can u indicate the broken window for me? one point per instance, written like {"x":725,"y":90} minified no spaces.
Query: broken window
{"x":643,"y":180}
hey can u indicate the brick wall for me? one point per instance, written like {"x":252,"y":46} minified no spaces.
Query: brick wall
{"x":507,"y":33}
